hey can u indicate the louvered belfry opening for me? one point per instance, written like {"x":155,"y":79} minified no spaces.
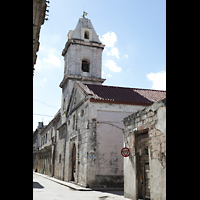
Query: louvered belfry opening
{"x":85,"y":66}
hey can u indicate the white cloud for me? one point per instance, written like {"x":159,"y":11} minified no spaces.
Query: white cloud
{"x":47,"y":59}
{"x":158,"y":79}
{"x":38,"y":64}
{"x":112,"y":66}
{"x":109,"y":39}
{"x":52,"y":60}
{"x":114,"y":52}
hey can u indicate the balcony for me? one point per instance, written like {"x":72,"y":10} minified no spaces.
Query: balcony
{"x":48,"y":144}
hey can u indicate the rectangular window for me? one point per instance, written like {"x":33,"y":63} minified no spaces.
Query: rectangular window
{"x":74,"y":122}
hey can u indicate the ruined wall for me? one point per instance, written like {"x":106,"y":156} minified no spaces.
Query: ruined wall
{"x":153,"y":119}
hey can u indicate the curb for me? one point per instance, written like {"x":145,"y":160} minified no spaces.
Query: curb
{"x":70,"y":185}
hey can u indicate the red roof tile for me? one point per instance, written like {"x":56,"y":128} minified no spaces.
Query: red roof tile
{"x":123,"y":95}
{"x":152,"y":95}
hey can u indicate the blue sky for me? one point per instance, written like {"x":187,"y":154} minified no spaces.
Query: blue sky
{"x":134,"y":32}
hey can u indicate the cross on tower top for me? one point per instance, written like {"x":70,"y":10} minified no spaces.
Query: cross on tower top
{"x":84,"y":14}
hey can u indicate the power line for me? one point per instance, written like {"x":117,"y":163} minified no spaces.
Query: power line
{"x":45,"y":103}
{"x":43,"y":115}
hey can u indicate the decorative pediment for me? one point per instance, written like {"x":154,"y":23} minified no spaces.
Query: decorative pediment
{"x":78,"y":96}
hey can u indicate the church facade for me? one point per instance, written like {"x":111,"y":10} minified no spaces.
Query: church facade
{"x":88,"y":129}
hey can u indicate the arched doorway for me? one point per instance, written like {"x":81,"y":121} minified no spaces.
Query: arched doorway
{"x":73,"y":161}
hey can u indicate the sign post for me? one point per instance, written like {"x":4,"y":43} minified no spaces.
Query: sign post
{"x":125,"y":152}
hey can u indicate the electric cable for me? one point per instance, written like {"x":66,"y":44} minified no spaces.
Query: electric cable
{"x":43,"y":115}
{"x":45,"y":104}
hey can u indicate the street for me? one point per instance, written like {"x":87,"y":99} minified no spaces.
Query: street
{"x":45,"y":189}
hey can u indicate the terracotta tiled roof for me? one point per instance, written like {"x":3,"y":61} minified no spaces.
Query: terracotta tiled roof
{"x":152,"y":95}
{"x":123,"y":95}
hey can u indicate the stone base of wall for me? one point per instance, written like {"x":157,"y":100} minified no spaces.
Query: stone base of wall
{"x":107,"y":181}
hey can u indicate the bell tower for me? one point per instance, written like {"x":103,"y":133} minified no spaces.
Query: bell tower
{"x":82,"y":58}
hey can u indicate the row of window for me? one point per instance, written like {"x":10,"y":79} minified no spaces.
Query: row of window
{"x":44,"y":137}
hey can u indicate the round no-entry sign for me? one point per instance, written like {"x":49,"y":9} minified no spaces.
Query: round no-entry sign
{"x":125,"y":152}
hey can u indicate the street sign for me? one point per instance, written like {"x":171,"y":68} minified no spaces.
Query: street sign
{"x":125,"y":152}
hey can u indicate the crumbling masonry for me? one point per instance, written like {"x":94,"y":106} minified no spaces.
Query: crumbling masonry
{"x":145,"y":168}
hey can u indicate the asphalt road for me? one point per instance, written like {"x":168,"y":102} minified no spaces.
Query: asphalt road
{"x":45,"y":189}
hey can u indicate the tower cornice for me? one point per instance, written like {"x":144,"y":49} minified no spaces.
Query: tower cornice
{"x":81,"y":78}
{"x":83,"y":43}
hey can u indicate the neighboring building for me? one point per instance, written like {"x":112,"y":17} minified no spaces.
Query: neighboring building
{"x":44,"y":155}
{"x":145,"y":168}
{"x":89,"y":126}
{"x":36,"y":145}
{"x":39,"y":9}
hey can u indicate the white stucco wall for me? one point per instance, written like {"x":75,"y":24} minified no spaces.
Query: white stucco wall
{"x":109,"y":138}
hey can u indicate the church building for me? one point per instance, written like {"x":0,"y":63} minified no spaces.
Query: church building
{"x":88,"y":129}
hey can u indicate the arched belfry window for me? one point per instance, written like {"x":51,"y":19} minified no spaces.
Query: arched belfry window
{"x":85,"y":65}
{"x":86,"y":35}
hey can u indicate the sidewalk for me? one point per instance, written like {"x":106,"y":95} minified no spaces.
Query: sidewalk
{"x":68,"y":184}
{"x":105,"y":195}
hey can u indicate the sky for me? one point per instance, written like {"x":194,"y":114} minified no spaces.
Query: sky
{"x":134,"y":32}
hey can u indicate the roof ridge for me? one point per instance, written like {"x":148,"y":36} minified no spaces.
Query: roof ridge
{"x":149,"y":89}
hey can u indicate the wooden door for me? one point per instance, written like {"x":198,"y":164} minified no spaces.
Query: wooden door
{"x":142,"y":165}
{"x":73,"y":162}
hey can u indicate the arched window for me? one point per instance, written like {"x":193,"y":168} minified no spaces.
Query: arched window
{"x":86,"y":35}
{"x":85,"y":66}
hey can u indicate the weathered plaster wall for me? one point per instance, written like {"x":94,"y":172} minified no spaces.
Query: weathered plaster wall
{"x":152,"y":118}
{"x":59,"y":154}
{"x":105,"y":163}
{"x":77,"y":132}
{"x":109,"y":144}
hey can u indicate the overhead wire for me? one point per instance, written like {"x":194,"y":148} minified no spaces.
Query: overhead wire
{"x":43,"y":115}
{"x":45,"y":104}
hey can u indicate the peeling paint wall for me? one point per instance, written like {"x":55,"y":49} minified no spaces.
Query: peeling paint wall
{"x":152,"y":119}
{"x":109,"y":145}
{"x":105,"y":163}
